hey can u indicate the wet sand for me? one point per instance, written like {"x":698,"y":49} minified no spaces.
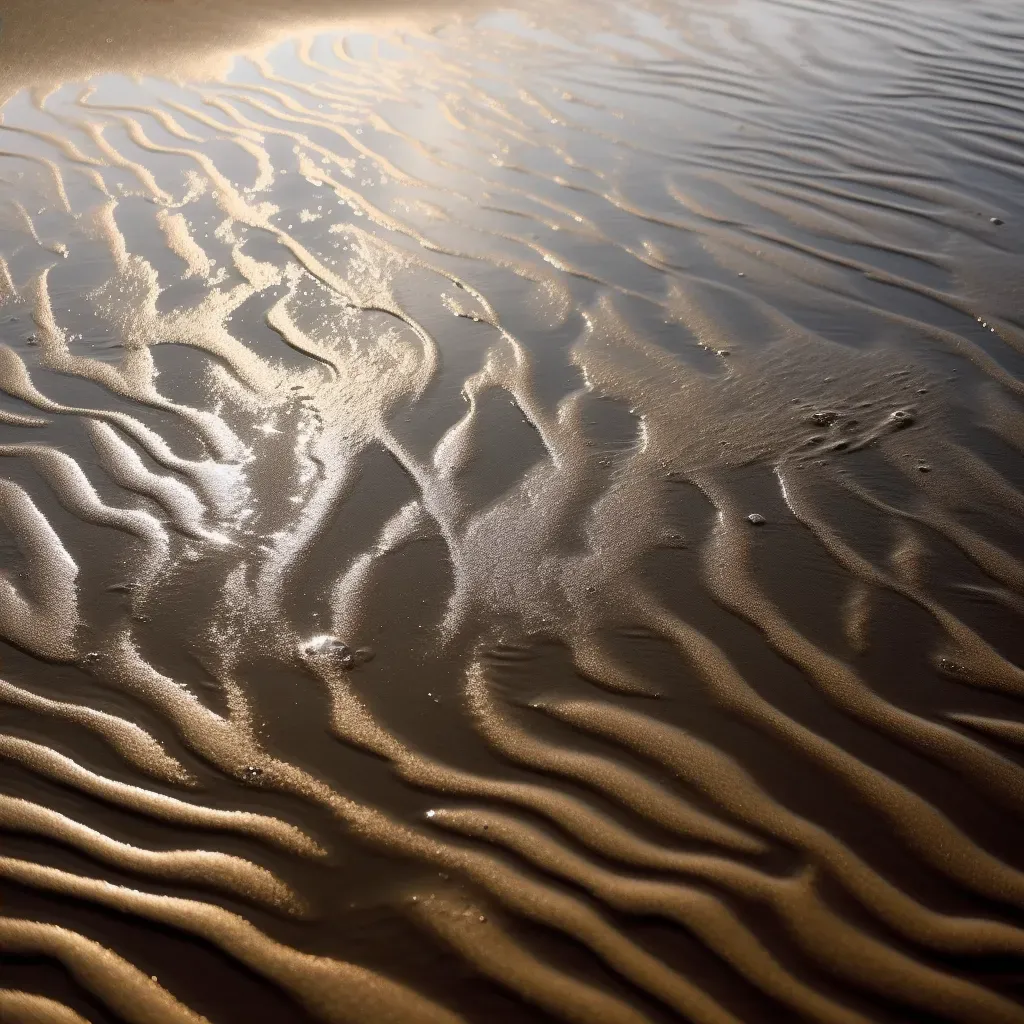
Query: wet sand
{"x":511,"y":515}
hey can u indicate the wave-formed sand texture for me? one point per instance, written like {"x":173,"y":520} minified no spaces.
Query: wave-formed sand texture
{"x":520,"y":522}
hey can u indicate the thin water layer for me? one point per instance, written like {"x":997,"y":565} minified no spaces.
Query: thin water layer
{"x":511,"y":514}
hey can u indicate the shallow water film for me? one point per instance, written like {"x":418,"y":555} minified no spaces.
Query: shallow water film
{"x":511,"y":514}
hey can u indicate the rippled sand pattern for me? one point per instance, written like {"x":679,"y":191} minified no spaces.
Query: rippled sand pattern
{"x":519,"y":523}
